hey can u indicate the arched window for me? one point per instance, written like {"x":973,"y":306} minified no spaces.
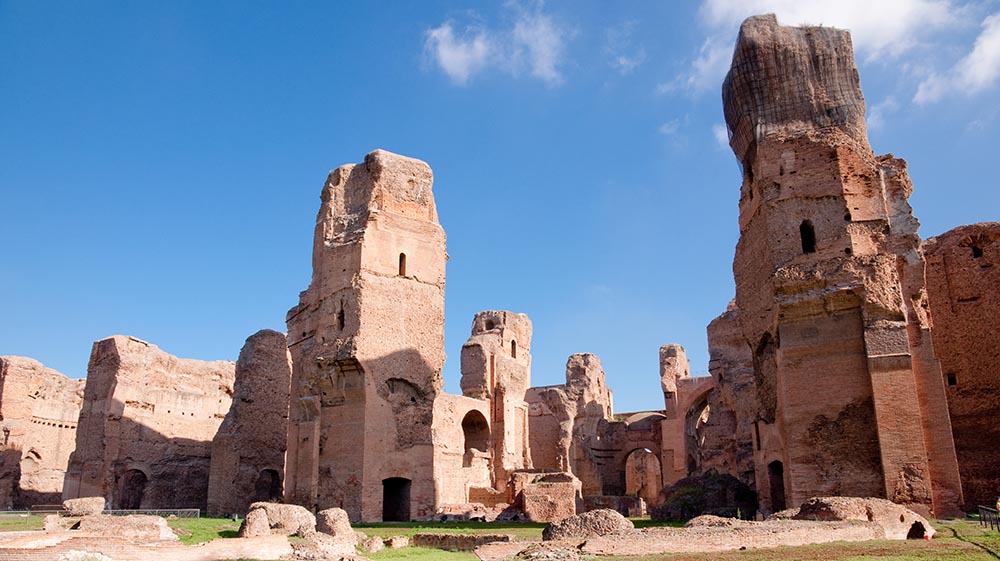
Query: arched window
{"x":513,"y":348}
{"x":808,"y":235}
{"x":402,"y":264}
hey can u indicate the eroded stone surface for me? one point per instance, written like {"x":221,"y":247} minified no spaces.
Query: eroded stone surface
{"x":829,"y":280}
{"x":248,"y":451}
{"x":601,"y":522}
{"x":963,"y":273}
{"x":276,"y":518}
{"x":147,"y":424}
{"x":84,"y":506}
{"x":367,"y":344}
{"x":39,"y":409}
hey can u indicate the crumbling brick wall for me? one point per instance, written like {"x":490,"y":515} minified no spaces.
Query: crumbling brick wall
{"x":146,"y":426}
{"x":39,"y":409}
{"x":963,"y":284}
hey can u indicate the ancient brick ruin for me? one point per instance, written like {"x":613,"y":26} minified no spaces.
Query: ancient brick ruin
{"x":854,"y":360}
{"x":248,"y":451}
{"x":144,"y":439}
{"x":963,"y":283}
{"x":39,"y":409}
{"x":829,"y":284}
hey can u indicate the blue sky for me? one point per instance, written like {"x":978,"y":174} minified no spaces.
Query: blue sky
{"x":161,"y":162}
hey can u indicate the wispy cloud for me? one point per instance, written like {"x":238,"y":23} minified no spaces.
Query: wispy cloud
{"x":623,"y":55}
{"x":459,"y":57}
{"x":878,"y":113}
{"x":977,"y":71}
{"x":721,"y":135}
{"x":534,"y":44}
{"x":881,"y":30}
{"x":539,"y":43}
{"x":670,"y":127}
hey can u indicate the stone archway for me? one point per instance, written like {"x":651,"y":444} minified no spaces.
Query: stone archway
{"x":131,"y":489}
{"x":267,"y":486}
{"x":643,"y":474}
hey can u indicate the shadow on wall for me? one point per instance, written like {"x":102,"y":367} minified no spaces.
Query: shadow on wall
{"x":134,"y":466}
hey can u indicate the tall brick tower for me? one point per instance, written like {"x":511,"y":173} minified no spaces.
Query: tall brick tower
{"x":367,"y":345}
{"x":829,"y":284}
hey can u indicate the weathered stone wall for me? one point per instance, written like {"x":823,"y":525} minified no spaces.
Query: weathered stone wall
{"x":367,"y":345}
{"x":686,"y":413}
{"x":729,"y":431}
{"x":844,"y":376}
{"x":39,"y":409}
{"x":963,"y":283}
{"x":146,"y":426}
{"x":566,"y":423}
{"x":496,"y":366}
{"x":248,"y":451}
{"x":462,"y":450}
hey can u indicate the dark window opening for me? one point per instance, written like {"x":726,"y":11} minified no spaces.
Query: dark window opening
{"x":847,"y":216}
{"x":848,"y":250}
{"x":396,"y":499}
{"x":977,"y":251}
{"x":490,"y":325}
{"x":756,"y":433}
{"x":952,"y":379}
{"x":513,"y":348}
{"x":402,"y":264}
{"x":268,"y":486}
{"x":776,"y":477}
{"x":340,"y":319}
{"x":133,"y":486}
{"x":808,"y":235}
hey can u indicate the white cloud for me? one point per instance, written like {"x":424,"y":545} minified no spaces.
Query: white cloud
{"x":459,"y":57}
{"x":623,"y":56}
{"x":977,"y":71}
{"x":878,"y":113}
{"x":535,"y":43}
{"x":539,"y":42}
{"x":880,"y":29}
{"x":721,"y":135}
{"x":670,"y":128}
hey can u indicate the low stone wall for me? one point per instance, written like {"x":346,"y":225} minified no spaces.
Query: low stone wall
{"x":458,"y":542}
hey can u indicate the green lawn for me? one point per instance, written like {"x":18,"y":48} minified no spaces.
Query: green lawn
{"x":21,"y":522}
{"x":198,"y":530}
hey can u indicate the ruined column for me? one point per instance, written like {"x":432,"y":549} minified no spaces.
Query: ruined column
{"x":496,"y":366}
{"x":822,"y":281}
{"x":248,"y":451}
{"x":367,"y":345}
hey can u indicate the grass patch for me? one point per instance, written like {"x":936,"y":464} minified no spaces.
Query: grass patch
{"x":21,"y":522}
{"x":199,"y":530}
{"x":421,"y":554}
{"x":520,"y":530}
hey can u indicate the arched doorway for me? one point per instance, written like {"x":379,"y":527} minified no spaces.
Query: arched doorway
{"x":643,"y":475}
{"x":776,"y":480}
{"x":131,"y":489}
{"x":268,"y":486}
{"x":396,"y":499}
{"x":695,"y":419}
